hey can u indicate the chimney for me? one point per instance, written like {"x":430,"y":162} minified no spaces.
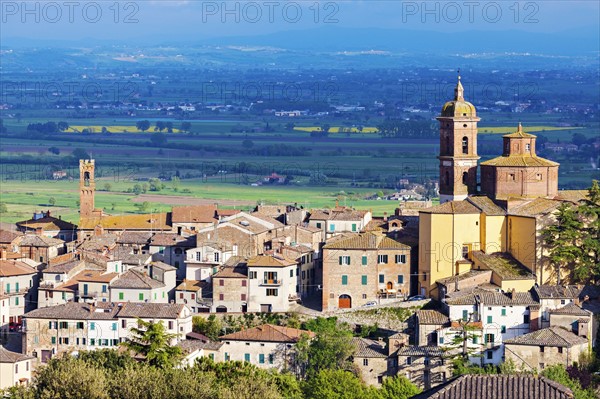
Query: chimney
{"x":385,"y":217}
{"x":98,"y":230}
{"x":534,"y":318}
{"x":39,"y":231}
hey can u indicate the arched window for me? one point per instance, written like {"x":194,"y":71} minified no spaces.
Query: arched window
{"x":447,"y":178}
{"x":86,"y":179}
{"x":465,"y":145}
{"x":465,"y":178}
{"x":448,"y":150}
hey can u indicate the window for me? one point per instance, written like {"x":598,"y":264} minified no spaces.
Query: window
{"x":364,"y":296}
{"x":271,"y":359}
{"x":53,"y":340}
{"x":562,"y":301}
{"x":242,"y":297}
{"x":465,"y":145}
{"x":63,"y":324}
{"x":465,"y":178}
{"x":80,"y":325}
{"x":364,"y":260}
{"x":16,"y":287}
{"x":271,"y":292}
{"x":104,"y":288}
{"x":332,"y":227}
{"x":503,"y":329}
{"x":353,"y":226}
{"x":542,"y":349}
{"x":425,"y":276}
{"x":503,"y":312}
{"x":16,"y":301}
{"x":475,"y":340}
{"x":198,"y":256}
{"x":216,"y":256}
{"x":221,"y":297}
{"x":227,"y":356}
{"x":542,"y":365}
{"x":400,"y":279}
{"x":526,"y":319}
{"x":244,"y":283}
{"x":344,"y":280}
{"x":123,"y":323}
{"x":365,"y":362}
{"x":141,"y":296}
{"x":511,"y":177}
{"x":319,"y":225}
{"x":490,"y":319}
{"x":401,"y":259}
{"x":252,"y":275}
{"x":447,"y":178}
{"x":465,"y":315}
{"x":261,"y":358}
{"x":181,"y":295}
{"x":17,"y":368}
{"x":303,"y":275}
{"x":489,"y":338}
{"x":381,"y":278}
{"x":170,"y":324}
{"x":441,"y":340}
{"x":382,"y":259}
{"x":121,"y":296}
{"x":92,"y":326}
{"x":221,"y":282}
{"x":408,"y":360}
{"x":344,"y":260}
{"x":291,"y":272}
{"x":364,"y":280}
{"x":527,"y":147}
{"x":490,"y":355}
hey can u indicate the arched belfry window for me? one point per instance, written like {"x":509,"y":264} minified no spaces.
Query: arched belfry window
{"x":465,"y":145}
{"x":465,"y":178}
{"x":447,"y":178}
{"x":448,"y":149}
{"x":86,"y":179}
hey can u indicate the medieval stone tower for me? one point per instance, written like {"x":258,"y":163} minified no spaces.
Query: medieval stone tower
{"x":87,"y":187}
{"x":458,"y":148}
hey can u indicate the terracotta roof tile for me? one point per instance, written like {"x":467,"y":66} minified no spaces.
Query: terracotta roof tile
{"x":518,"y":160}
{"x":503,"y":264}
{"x":538,"y":206}
{"x":421,"y":351}
{"x":551,"y":336}
{"x":154,"y":221}
{"x":367,"y":240}
{"x":268,"y":333}
{"x":151,"y":310}
{"x":48,"y":223}
{"x":136,"y":280}
{"x":7,"y":356}
{"x":453,"y":207}
{"x":431,"y":317}
{"x":369,"y":348}
{"x":7,"y":236}
{"x":270,"y":261}
{"x":192,"y":285}
{"x":9,"y":268}
{"x":195,"y":214}
{"x":571,"y":309}
{"x":498,"y":387}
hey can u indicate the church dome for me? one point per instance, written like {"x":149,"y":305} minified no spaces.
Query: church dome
{"x":459,"y":107}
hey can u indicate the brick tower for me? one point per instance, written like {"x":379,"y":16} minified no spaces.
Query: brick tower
{"x":87,"y":187}
{"x":458,"y":148}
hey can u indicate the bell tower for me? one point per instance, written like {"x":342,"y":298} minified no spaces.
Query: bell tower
{"x":458,"y":148}
{"x":87,"y":187}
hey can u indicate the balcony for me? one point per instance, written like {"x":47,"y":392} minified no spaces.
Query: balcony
{"x":270,"y":282}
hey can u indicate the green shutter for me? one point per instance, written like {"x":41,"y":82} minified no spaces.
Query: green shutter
{"x":364,"y":260}
{"x":489,"y":319}
{"x":364,"y":280}
{"x":340,"y":259}
{"x":121,"y":296}
{"x":344,"y":280}
{"x":141,"y":296}
{"x":247,"y":357}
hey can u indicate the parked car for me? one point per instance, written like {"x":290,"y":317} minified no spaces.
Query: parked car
{"x":371,"y":303}
{"x":416,"y":298}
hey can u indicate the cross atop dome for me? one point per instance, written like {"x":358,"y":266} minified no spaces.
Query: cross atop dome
{"x":459,"y":91}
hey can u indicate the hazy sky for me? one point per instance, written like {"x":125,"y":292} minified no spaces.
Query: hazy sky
{"x":193,"y":20}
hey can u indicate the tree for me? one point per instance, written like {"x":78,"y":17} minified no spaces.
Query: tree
{"x":80,"y":153}
{"x":107,"y":186}
{"x":54,"y":150}
{"x":158,"y":139}
{"x":142,"y":206}
{"x":3,"y":207}
{"x":62,"y":126}
{"x":160,"y":126}
{"x":588,"y":268}
{"x":211,"y":327}
{"x":152,"y":342}
{"x":169,"y":127}
{"x":185,"y":127}
{"x":331,"y":348}
{"x":175,"y":183}
{"x":143,"y":125}
{"x":562,"y":238}
{"x":247,"y":144}
{"x":398,"y":388}
{"x":52,"y":201}
{"x":559,"y":374}
{"x":336,"y":384}
{"x":579,"y":139}
{"x":137,"y":189}
{"x":156,"y":184}
{"x":70,"y":378}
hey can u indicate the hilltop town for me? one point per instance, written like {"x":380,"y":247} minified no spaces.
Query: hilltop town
{"x":479,"y":279}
